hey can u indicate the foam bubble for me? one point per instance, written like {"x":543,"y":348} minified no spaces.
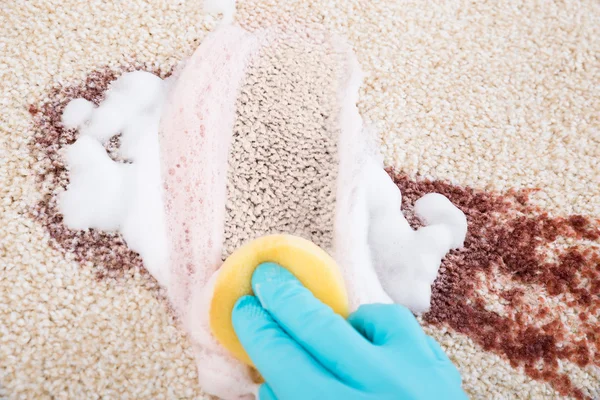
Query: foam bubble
{"x":141,"y":90}
{"x":77,"y":113}
{"x":132,"y":95}
{"x":107,"y":120}
{"x":94,"y":196}
{"x":436,"y":209}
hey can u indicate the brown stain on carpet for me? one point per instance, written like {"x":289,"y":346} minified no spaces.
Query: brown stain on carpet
{"x":107,"y":251}
{"x":507,"y":236}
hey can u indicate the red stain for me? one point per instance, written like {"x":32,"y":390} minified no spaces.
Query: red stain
{"x":506,"y":239}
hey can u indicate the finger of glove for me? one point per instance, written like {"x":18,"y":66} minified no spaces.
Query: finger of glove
{"x":282,"y":362}
{"x":440,"y":354}
{"x":387,"y":324}
{"x":324,"y":334}
{"x":437,"y":349}
{"x":265,"y":392}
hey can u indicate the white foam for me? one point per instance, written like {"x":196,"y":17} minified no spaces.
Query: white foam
{"x":77,"y":113}
{"x":407,"y":260}
{"x":140,"y":129}
{"x":141,"y":91}
{"x":115,"y":196}
{"x":106,"y":121}
{"x":131,"y":95}
{"x":435,"y":209}
{"x":94,"y":195}
{"x":351,"y":250}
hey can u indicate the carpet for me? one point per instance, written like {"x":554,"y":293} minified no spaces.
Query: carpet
{"x":494,"y":104}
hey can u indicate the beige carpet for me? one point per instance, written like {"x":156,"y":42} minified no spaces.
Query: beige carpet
{"x":480,"y":101}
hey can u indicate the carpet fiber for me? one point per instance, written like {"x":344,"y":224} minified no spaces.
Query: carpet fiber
{"x":493,"y":104}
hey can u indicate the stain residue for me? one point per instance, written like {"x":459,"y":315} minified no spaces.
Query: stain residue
{"x":107,"y":251}
{"x":510,"y":240}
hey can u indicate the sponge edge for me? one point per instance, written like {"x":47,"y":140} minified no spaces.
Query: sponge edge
{"x":313,"y":267}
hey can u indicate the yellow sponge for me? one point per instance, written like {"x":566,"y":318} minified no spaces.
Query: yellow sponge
{"x":317,"y":271}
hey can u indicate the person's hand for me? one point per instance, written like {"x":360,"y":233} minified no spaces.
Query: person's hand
{"x":304,"y":350}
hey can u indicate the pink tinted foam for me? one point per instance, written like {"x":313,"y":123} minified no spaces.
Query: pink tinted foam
{"x":355,"y":150}
{"x":195,"y":134}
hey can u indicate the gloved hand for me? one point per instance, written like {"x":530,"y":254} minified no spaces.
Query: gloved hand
{"x":306,"y":351}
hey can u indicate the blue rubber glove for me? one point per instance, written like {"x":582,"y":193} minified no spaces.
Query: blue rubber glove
{"x":306,"y":351}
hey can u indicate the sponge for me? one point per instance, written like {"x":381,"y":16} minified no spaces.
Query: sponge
{"x":313,"y":267}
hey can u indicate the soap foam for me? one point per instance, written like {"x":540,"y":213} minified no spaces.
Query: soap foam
{"x":94,"y":197}
{"x":77,"y":113}
{"x":407,"y":260}
{"x":119,"y":196}
{"x":351,"y":249}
